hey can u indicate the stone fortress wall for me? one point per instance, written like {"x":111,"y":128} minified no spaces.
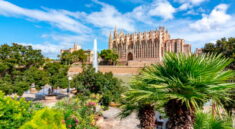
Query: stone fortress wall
{"x":116,"y":70}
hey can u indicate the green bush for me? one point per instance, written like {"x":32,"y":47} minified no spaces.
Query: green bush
{"x":13,"y":112}
{"x":35,"y":106}
{"x":79,"y":113}
{"x":46,"y":119}
{"x":105,"y":84}
{"x":207,"y":121}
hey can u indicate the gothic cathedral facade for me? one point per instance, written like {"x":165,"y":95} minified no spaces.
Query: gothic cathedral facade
{"x":146,"y":48}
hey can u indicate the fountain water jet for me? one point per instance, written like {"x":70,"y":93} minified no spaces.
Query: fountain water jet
{"x":95,"y":56}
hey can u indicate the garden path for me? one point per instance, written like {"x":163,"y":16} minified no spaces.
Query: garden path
{"x":111,"y":120}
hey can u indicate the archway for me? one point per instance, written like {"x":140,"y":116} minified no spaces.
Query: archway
{"x":130,"y":56}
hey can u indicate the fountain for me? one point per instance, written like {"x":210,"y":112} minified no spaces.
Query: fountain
{"x":95,"y":56}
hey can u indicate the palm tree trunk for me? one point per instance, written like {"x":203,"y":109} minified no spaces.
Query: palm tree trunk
{"x":180,"y":117}
{"x":147,"y":117}
{"x":213,"y":109}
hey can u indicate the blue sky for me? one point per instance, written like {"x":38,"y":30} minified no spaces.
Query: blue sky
{"x":52,"y":25}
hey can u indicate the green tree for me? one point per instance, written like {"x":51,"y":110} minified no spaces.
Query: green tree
{"x":183,"y":83}
{"x":68,"y":58}
{"x":14,"y":61}
{"x":20,"y":57}
{"x":57,"y":74}
{"x":108,"y":56}
{"x":65,"y":58}
{"x":105,"y":84}
{"x":79,"y":56}
{"x":226,"y":47}
{"x":36,"y":76}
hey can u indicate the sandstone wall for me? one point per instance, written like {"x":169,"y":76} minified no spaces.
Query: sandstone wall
{"x":142,"y":63}
{"x":116,"y":70}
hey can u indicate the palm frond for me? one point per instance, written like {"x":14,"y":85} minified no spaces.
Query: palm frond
{"x":189,"y":78}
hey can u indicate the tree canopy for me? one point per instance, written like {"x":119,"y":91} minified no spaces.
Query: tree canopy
{"x":57,"y":74}
{"x":109,"y":57}
{"x":15,"y":63}
{"x":224,"y":46}
{"x":76,"y":56}
{"x":105,"y":84}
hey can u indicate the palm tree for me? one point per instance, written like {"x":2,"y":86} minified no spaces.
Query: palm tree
{"x":143,"y":99}
{"x":184,"y":83}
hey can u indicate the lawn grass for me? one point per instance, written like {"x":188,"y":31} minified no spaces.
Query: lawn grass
{"x":126,"y":79}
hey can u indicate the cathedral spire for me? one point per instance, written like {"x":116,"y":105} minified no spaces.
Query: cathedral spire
{"x":115,"y":29}
{"x":115,"y":33}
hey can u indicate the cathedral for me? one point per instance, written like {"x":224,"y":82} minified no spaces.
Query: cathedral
{"x":140,"y":49}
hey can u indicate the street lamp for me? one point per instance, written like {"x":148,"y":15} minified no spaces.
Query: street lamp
{"x":69,"y":78}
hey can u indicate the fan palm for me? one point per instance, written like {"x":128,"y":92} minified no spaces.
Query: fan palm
{"x":143,"y":99}
{"x":183,"y":83}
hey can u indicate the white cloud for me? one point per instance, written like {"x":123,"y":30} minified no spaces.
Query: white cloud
{"x":185,"y":6}
{"x":197,"y":32}
{"x":214,"y":20}
{"x":67,"y":40}
{"x":110,"y":17}
{"x":140,"y":13}
{"x":198,"y":39}
{"x":191,"y":12}
{"x":188,"y":4}
{"x":105,"y":19}
{"x":193,"y":2}
{"x":195,"y":11}
{"x":179,"y":28}
{"x":196,"y":2}
{"x":145,"y":13}
{"x":48,"y":49}
{"x":134,"y":1}
{"x":163,"y":9}
{"x":54,"y":17}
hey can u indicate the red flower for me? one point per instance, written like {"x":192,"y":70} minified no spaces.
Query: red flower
{"x":91,"y":104}
{"x":76,"y":120}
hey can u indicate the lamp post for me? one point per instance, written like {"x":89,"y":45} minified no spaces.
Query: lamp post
{"x":69,"y":78}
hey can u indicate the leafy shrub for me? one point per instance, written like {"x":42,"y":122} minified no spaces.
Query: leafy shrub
{"x":105,"y":84}
{"x":35,"y":106}
{"x":79,"y":112}
{"x":13,"y":112}
{"x":207,"y":121}
{"x":46,"y":119}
